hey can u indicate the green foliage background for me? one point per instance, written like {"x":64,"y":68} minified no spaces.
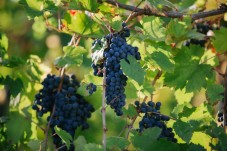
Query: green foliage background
{"x":32,"y":44}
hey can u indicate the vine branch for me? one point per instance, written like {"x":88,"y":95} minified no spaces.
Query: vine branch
{"x":171,"y":14}
{"x":104,"y":111}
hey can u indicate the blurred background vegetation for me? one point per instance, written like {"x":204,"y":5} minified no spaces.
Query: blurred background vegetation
{"x":33,"y":42}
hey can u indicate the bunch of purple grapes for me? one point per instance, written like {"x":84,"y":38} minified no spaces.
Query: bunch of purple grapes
{"x":71,"y":110}
{"x":153,"y":118}
{"x":117,"y":50}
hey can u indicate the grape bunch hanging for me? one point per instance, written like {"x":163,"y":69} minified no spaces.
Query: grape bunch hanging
{"x":71,"y":110}
{"x":153,"y":118}
{"x":115,"y":50}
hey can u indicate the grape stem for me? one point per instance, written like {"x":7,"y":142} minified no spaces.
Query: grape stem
{"x":130,"y":126}
{"x":28,"y":118}
{"x":104,"y":110}
{"x":62,"y":73}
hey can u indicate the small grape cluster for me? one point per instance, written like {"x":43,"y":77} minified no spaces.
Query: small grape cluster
{"x":201,"y":28}
{"x":115,"y":79}
{"x":71,"y":110}
{"x":91,"y":88}
{"x":153,"y":118}
{"x":221,"y":119}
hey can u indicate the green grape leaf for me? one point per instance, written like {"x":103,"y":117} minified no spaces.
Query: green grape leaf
{"x":187,"y":111}
{"x":130,"y":112}
{"x":144,"y":141}
{"x":133,"y":69}
{"x":163,"y":61}
{"x":184,"y":130}
{"x":35,"y":144}
{"x":32,"y":8}
{"x":164,"y":145}
{"x":214,"y":92}
{"x":93,"y":147}
{"x":17,"y":127}
{"x":13,"y":61}
{"x":191,"y":147}
{"x":84,"y":25}
{"x":187,"y":75}
{"x":222,"y":141}
{"x":219,"y":40}
{"x":89,"y":5}
{"x":118,"y":142}
{"x":80,"y":142}
{"x":65,"y":137}
{"x":176,"y":31}
{"x":73,"y":56}
{"x":130,"y":90}
{"x":153,"y":28}
{"x":14,"y":90}
{"x":116,"y":23}
{"x":195,"y":35}
{"x":177,"y":110}
{"x":156,"y":3}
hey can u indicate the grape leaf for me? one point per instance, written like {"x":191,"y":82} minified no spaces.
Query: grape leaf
{"x":187,"y":75}
{"x":219,"y":40}
{"x":163,"y":61}
{"x":156,"y":3}
{"x":118,"y":142}
{"x":17,"y":127}
{"x":176,"y":31}
{"x":116,"y":23}
{"x":73,"y":56}
{"x":93,"y":147}
{"x":214,"y":92}
{"x":133,"y":69}
{"x":164,"y":145}
{"x":130,"y":112}
{"x":144,"y":140}
{"x":66,"y":137}
{"x":80,"y":142}
{"x":35,"y":144}
{"x":153,"y":28}
{"x":184,"y":130}
{"x":10,"y":82}
{"x":89,"y":5}
{"x":84,"y":25}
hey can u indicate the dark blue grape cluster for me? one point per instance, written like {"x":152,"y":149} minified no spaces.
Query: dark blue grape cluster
{"x":71,"y":110}
{"x":202,"y":28}
{"x":221,"y":119}
{"x":153,"y":118}
{"x":115,"y":79}
{"x":91,"y":88}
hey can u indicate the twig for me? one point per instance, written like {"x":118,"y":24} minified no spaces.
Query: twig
{"x":213,"y":57}
{"x":130,"y":126}
{"x":169,"y":14}
{"x":133,"y":12}
{"x":225,"y":101}
{"x":104,"y":110}
{"x":27,"y":118}
{"x":77,"y":41}
{"x":158,"y":75}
